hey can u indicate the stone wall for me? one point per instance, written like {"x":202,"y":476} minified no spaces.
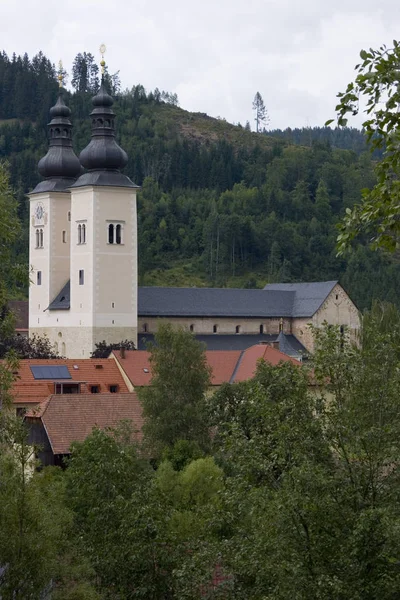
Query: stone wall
{"x":205,"y":326}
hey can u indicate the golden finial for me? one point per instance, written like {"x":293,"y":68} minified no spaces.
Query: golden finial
{"x":60,"y":75}
{"x":102,"y":62}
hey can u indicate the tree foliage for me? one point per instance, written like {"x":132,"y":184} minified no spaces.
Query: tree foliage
{"x":103,"y":349}
{"x":174,"y":406}
{"x":376,"y":92}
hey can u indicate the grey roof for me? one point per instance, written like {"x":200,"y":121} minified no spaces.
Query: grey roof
{"x":213,"y":302}
{"x":237,"y":342}
{"x":275,"y":300}
{"x":290,"y":345}
{"x":104,"y":179}
{"x":62,"y":300}
{"x":53,"y":185}
{"x":308,"y":297}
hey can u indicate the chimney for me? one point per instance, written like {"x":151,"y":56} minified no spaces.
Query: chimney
{"x":275,"y":345}
{"x":122,"y":351}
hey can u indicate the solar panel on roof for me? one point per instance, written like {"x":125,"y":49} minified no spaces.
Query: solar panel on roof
{"x":50,"y":372}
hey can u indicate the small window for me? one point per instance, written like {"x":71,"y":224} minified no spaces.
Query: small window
{"x":261,"y":329}
{"x":94,"y":389}
{"x":111,"y":233}
{"x":237,"y":328}
{"x":39,"y":278}
{"x":215,"y":328}
{"x":64,"y":237}
{"x":83,"y":234}
{"x":40,"y":238}
{"x":113,"y":389}
{"x":37,"y":238}
{"x":191,"y":328}
{"x":69,"y":215}
{"x":118,"y":234}
{"x":79,"y":234}
{"x":145,"y":327}
{"x":21,"y":411}
{"x":67,"y":388}
{"x":337,"y":296}
{"x":112,"y":304}
{"x":81,"y":277}
{"x":64,"y":350}
{"x":115,"y":233}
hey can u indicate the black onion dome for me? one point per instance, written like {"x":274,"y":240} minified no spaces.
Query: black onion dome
{"x":60,"y":167}
{"x":103,"y":157}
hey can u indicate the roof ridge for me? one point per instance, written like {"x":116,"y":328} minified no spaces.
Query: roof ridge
{"x":235,"y":370}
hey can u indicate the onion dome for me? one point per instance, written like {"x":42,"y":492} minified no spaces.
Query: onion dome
{"x":60,"y":167}
{"x":103,"y":157}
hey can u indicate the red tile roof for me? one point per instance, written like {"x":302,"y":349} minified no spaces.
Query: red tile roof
{"x":250,"y":357}
{"x":136,"y":365}
{"x":70,"y":418}
{"x":226,"y":365}
{"x":223,"y":364}
{"x":101,"y":372}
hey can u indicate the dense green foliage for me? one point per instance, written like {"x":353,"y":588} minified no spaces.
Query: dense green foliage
{"x":220,"y":205}
{"x":375,"y":92}
{"x":298,"y":496}
{"x":174,"y":407}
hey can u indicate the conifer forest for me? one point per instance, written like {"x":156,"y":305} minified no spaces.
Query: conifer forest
{"x":220,"y":205}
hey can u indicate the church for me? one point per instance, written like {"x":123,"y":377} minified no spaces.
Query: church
{"x":84,"y":264}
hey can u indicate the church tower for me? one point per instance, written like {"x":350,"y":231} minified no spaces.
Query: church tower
{"x":83,"y":240}
{"x":103,"y":288}
{"x":50,"y":206}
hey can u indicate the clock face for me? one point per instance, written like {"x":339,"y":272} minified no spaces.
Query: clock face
{"x":39,"y":212}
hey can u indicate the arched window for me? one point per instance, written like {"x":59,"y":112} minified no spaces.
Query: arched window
{"x":261,"y":328}
{"x":79,"y":234}
{"x":111,"y":233}
{"x":191,"y":328}
{"x":215,"y":328}
{"x":64,"y":237}
{"x":118,"y":232}
{"x":237,"y":328}
{"x":40,"y":238}
{"x":83,"y":234}
{"x":37,"y":238}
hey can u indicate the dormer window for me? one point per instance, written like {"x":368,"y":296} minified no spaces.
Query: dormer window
{"x":115,"y":232}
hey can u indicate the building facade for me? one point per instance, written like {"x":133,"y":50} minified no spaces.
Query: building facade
{"x":83,"y":247}
{"x":83,"y":257}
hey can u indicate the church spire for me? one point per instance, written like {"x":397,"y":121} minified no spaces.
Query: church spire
{"x":103,"y":157}
{"x":60,"y":167}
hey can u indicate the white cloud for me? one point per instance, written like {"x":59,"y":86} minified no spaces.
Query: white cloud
{"x":216,"y":53}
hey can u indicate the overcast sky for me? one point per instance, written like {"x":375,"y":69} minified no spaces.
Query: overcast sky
{"x":215,"y":54}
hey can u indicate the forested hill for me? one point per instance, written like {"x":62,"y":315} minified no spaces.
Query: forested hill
{"x":220,"y":205}
{"x":347,"y":138}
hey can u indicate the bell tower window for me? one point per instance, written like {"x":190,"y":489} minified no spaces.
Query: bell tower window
{"x":111,"y":233}
{"x":118,"y":232}
{"x":81,"y":233}
{"x":115,"y":232}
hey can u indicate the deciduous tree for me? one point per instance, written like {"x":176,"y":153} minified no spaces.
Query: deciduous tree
{"x":174,"y":405}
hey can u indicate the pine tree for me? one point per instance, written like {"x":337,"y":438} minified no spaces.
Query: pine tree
{"x":261,"y":117}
